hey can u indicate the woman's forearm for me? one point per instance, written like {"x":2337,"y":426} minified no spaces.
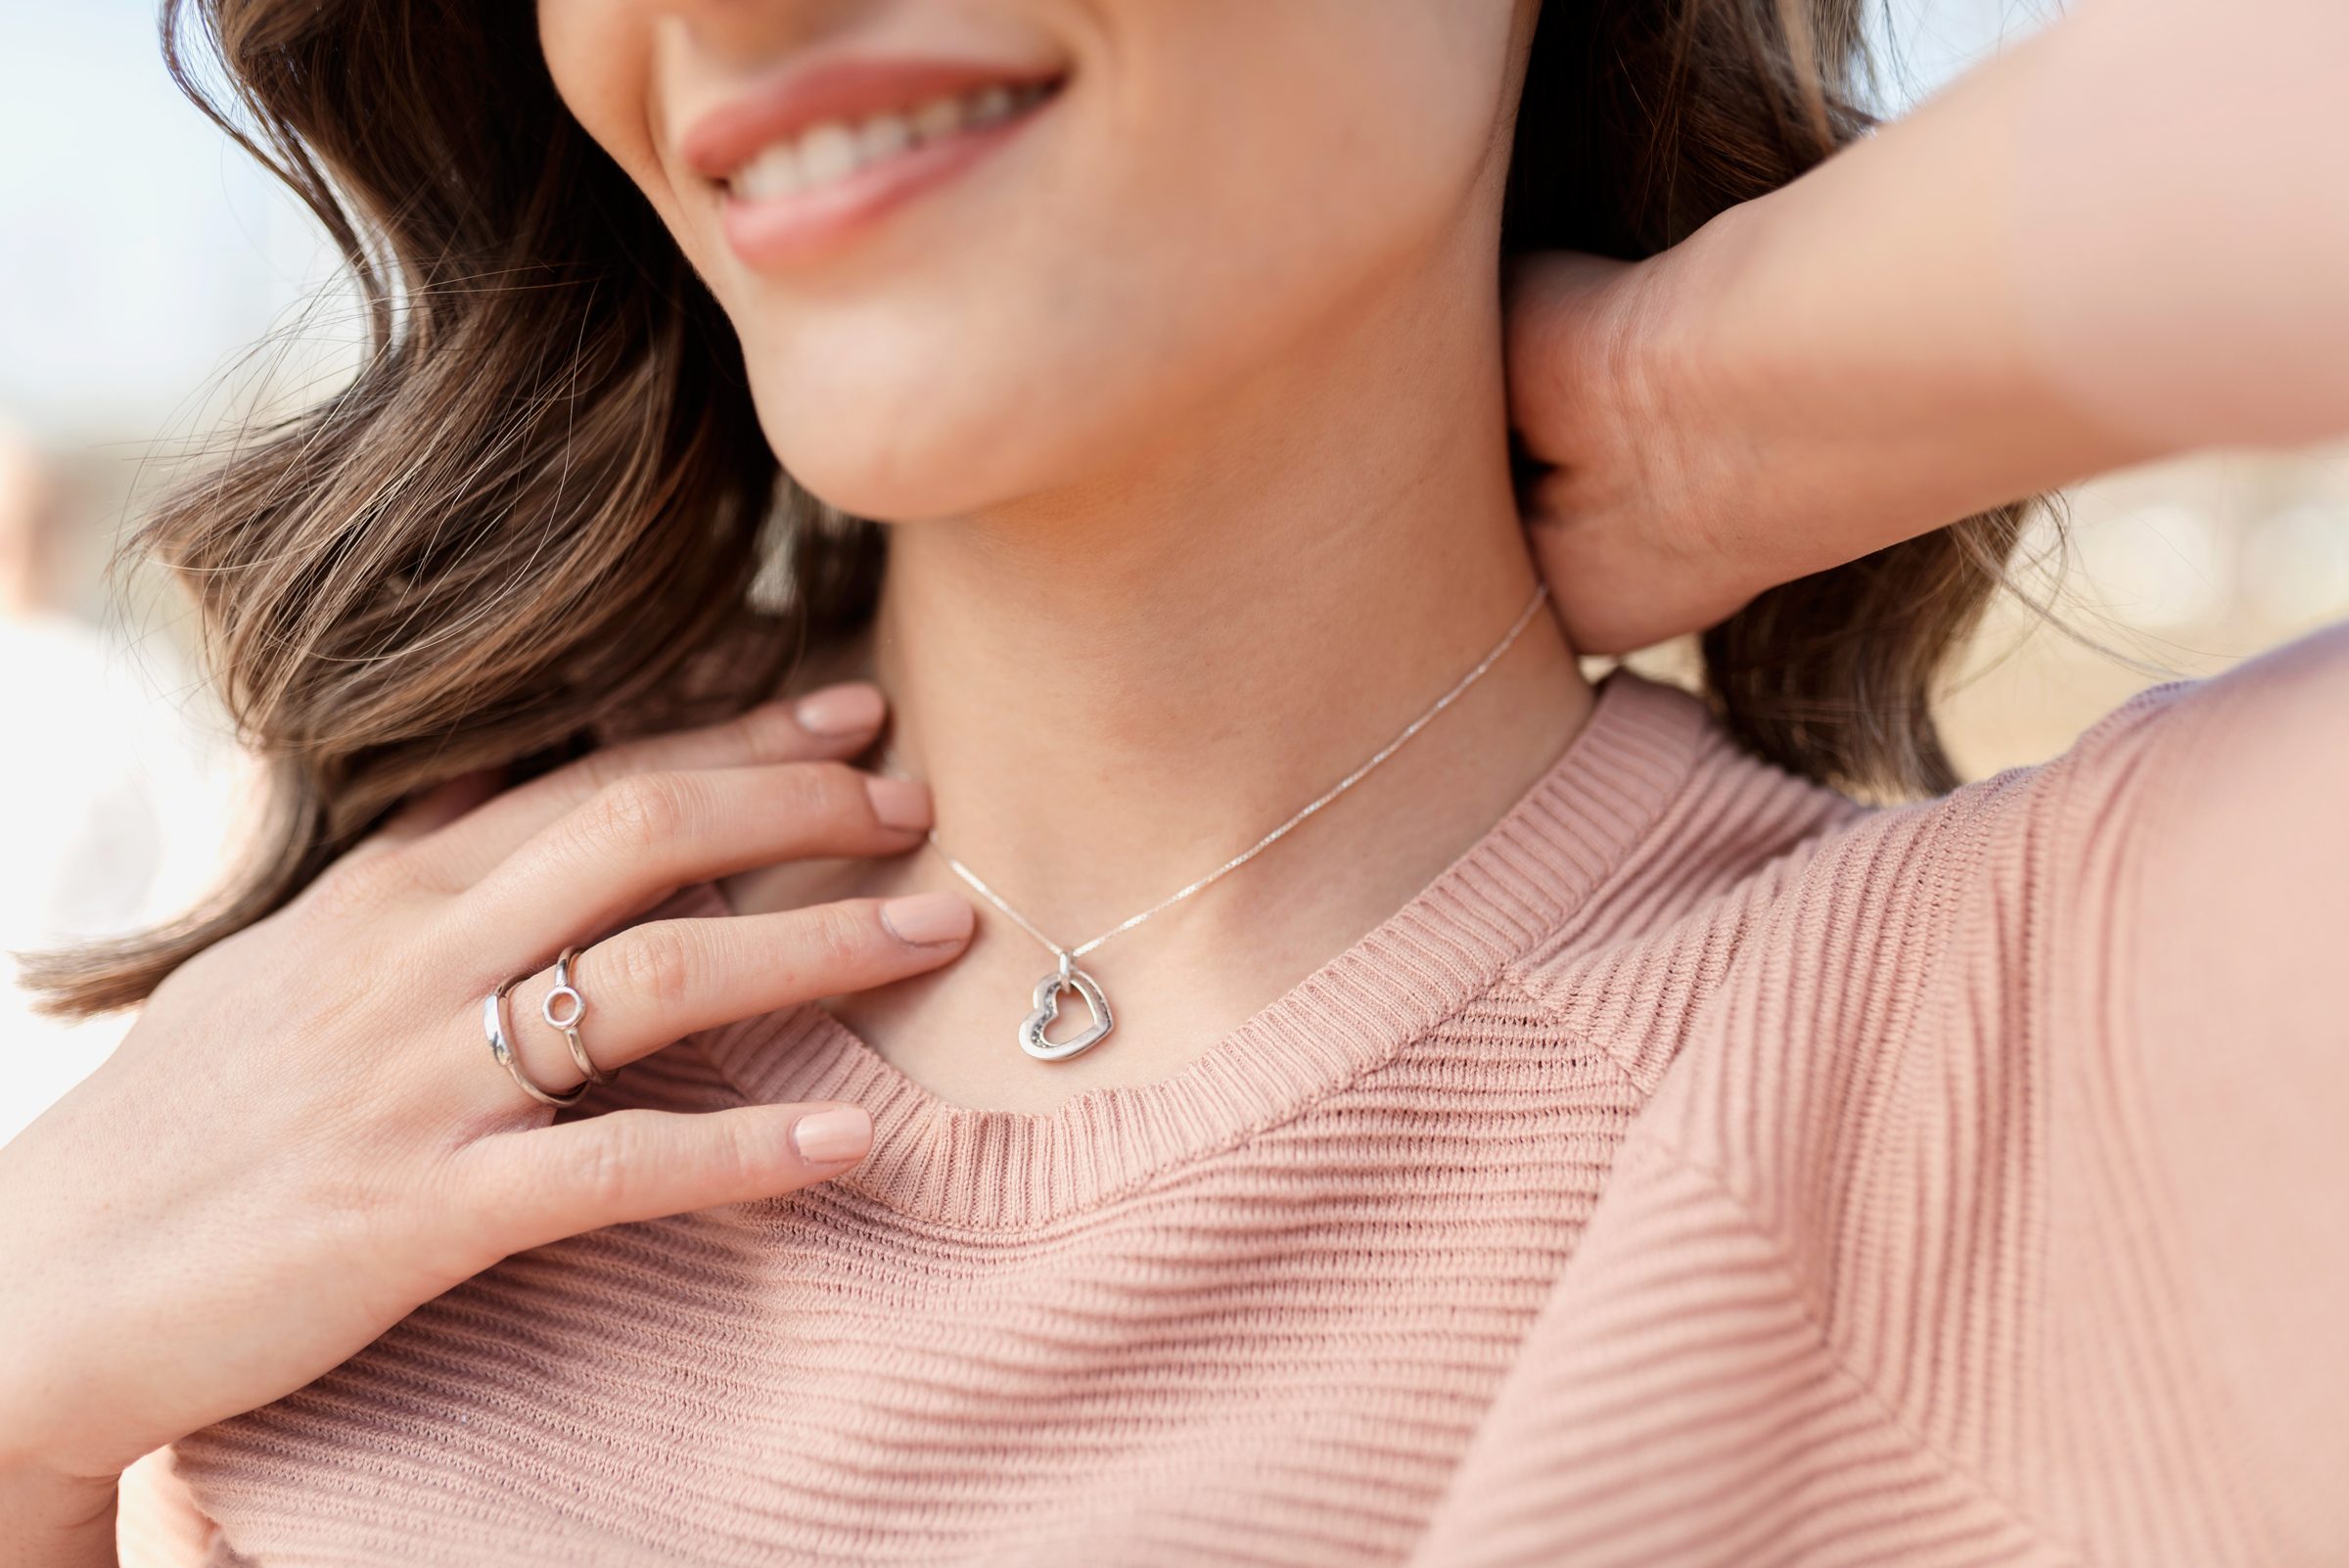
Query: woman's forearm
{"x":2128,"y":236}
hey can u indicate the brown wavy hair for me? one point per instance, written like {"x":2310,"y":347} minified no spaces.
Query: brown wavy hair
{"x":537,"y":516}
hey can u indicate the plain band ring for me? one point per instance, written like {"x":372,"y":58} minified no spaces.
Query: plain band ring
{"x":571,"y":1026}
{"x":494,"y":1020}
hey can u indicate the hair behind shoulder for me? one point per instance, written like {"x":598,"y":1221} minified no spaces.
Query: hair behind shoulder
{"x":538,"y":512}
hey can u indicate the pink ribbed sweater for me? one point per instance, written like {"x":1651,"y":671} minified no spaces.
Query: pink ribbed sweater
{"x":1704,"y":1169}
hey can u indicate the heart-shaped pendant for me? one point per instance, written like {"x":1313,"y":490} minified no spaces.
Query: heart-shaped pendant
{"x":1047,"y":1009}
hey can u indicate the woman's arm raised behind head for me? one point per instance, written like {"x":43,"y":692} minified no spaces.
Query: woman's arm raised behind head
{"x":2124,"y":239}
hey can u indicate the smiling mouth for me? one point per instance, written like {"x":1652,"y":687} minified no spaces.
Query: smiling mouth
{"x":833,"y":153}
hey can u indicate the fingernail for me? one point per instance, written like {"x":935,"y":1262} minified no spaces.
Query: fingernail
{"x":925,"y":917}
{"x":849,"y":709}
{"x":899,"y":803}
{"x":843,"y":1134}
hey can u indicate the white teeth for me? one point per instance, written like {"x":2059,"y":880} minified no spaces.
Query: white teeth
{"x":827,"y":152}
{"x":834,"y":150}
{"x":774,"y":172}
{"x":937,"y":118}
{"x":991,"y":104}
{"x":883,"y":136}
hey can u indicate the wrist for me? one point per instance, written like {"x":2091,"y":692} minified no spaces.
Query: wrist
{"x":1854,"y":334}
{"x":1801,"y":382}
{"x":1641,"y":515}
{"x":1710,"y":399}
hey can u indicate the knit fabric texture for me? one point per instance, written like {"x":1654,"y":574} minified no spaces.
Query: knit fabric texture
{"x":1704,"y":1169}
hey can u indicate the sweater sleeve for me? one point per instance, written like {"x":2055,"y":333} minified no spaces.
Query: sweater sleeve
{"x":2221,"y":1014}
{"x":1990,"y":1210}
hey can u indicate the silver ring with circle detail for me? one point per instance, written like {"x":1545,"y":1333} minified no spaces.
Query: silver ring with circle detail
{"x":570,"y":1024}
{"x":494,"y":1021}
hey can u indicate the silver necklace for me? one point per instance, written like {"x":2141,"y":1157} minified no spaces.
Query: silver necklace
{"x":1067,"y":977}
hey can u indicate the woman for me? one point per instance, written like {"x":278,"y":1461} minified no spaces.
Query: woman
{"x":1503,"y":1120}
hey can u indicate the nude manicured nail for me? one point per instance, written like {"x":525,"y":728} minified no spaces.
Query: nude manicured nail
{"x":849,"y":709}
{"x":843,"y":1134}
{"x":899,"y":803}
{"x":925,"y":917}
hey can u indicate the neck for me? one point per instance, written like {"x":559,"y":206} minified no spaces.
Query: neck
{"x":1113,"y":692}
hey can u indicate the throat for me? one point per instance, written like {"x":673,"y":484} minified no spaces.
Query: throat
{"x":1117,"y":685}
{"x":1000,"y":1028}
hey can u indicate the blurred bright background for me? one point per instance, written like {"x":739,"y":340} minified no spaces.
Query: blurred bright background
{"x":156,"y":289}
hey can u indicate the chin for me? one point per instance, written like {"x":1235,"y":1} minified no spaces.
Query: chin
{"x":890,"y":470}
{"x":928,"y":447}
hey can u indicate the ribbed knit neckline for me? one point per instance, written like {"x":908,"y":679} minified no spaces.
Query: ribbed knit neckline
{"x":971,"y":1167}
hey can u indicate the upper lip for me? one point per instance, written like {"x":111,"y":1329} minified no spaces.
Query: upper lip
{"x":843,"y":89}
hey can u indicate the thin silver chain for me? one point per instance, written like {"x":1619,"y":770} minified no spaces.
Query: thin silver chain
{"x":1068,"y":955}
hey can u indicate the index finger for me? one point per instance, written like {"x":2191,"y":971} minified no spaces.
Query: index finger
{"x":830,"y":724}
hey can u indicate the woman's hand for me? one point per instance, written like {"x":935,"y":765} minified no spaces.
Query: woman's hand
{"x":1631,"y":519}
{"x":2040,"y":274}
{"x":1707,"y":439}
{"x":1699,"y":448}
{"x":306,"y":1136}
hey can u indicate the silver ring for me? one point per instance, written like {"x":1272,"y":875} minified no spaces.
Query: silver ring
{"x":494,"y":1020}
{"x":570,"y":1026}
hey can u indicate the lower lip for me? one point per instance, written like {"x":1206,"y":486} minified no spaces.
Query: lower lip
{"x":803,"y":227}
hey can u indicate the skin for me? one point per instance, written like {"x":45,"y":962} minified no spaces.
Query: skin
{"x":2045,"y":273}
{"x":1112,"y":493}
{"x":1230,"y":312}
{"x":1219,"y":311}
{"x":2049,"y":271}
{"x":241,"y":1146}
